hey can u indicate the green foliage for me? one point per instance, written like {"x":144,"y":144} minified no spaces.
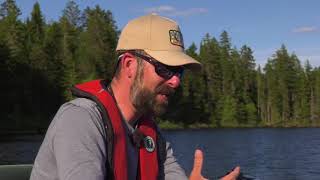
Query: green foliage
{"x":169,"y":125}
{"x":251,"y":114}
{"x":36,"y":25}
{"x":100,"y":38}
{"x":73,"y":14}
{"x":227,"y":106}
{"x":39,"y":61}
{"x":9,"y":10}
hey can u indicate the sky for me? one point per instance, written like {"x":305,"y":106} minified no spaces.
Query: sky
{"x":262,"y":25}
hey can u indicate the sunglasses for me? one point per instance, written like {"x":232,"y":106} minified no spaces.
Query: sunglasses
{"x":164,"y":71}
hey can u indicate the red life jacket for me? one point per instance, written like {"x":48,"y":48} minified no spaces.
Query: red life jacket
{"x":117,"y":166}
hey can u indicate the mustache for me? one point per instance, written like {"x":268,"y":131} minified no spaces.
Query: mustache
{"x":163,"y":89}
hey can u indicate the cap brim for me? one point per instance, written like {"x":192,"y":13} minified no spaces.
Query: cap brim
{"x":175,"y":58}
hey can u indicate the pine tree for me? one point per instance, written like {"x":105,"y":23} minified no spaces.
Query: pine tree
{"x":261,"y":97}
{"x":302,"y":107}
{"x":99,"y":43}
{"x":35,"y":32}
{"x":226,"y":63}
{"x":193,"y":100}
{"x":36,"y":25}
{"x":12,"y":38}
{"x":248,"y":70}
{"x":12,"y":29}
{"x":210,"y":55}
{"x":248,"y":73}
{"x":73,"y":14}
{"x":285,"y":86}
{"x":70,"y":45}
{"x":315,"y":97}
{"x":53,"y":48}
{"x":227,"y":106}
{"x":273,"y":99}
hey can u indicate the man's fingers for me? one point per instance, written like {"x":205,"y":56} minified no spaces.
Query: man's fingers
{"x":197,"y":166}
{"x":233,"y":174}
{"x":198,"y":160}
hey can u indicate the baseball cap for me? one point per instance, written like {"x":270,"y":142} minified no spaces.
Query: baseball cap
{"x":159,"y":37}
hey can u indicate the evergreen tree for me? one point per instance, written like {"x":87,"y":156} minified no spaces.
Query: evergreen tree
{"x":99,"y":44}
{"x":248,"y":71}
{"x":73,"y":14}
{"x":261,"y":97}
{"x":249,"y":84}
{"x":53,"y":48}
{"x":227,"y":107}
{"x":192,"y":103}
{"x":36,"y":25}
{"x":70,"y":45}
{"x":226,"y":63}
{"x":210,"y":56}
{"x":35,"y":39}
{"x":39,"y":62}
{"x":12,"y":30}
{"x":9,"y":9}
{"x":12,"y":33}
{"x":272,"y":94}
{"x":315,"y":97}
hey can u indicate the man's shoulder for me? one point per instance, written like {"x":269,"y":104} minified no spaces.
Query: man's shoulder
{"x":79,"y":109}
{"x":82,"y":102}
{"x":79,"y":113}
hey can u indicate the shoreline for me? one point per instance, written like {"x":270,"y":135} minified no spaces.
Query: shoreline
{"x":43,"y":131}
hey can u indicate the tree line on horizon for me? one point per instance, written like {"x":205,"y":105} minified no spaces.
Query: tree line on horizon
{"x":41,"y":60}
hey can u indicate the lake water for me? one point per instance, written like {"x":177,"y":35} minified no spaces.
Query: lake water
{"x":277,"y":154}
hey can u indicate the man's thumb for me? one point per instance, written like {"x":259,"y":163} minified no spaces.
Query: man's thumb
{"x":198,"y":160}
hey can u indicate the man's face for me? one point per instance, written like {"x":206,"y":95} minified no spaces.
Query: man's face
{"x":150,"y":92}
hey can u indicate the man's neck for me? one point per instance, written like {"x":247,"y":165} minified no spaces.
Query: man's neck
{"x":121,"y":94}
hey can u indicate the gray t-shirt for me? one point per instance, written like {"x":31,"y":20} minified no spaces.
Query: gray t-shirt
{"x":74,"y":147}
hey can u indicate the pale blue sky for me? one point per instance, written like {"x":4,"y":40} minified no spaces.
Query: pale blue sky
{"x":262,"y":25}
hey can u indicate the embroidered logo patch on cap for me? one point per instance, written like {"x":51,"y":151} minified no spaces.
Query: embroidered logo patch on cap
{"x":176,"y":38}
{"x":149,"y":144}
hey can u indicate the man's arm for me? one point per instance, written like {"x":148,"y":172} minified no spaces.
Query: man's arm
{"x":172,"y":169}
{"x":197,"y":169}
{"x":78,"y":145}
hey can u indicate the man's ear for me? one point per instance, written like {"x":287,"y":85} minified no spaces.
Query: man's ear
{"x":129,"y":65}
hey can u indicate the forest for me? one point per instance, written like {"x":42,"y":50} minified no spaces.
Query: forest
{"x":40,"y":60}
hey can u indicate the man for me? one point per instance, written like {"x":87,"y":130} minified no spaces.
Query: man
{"x":108,"y":131}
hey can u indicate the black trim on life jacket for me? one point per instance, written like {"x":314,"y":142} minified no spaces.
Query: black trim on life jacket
{"x":161,"y":143}
{"x":107,"y":123}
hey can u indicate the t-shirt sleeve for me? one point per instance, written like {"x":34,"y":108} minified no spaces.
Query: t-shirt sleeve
{"x":79,"y":146}
{"x":172,"y":169}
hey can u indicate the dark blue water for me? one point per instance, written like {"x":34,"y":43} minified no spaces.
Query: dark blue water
{"x":277,"y":154}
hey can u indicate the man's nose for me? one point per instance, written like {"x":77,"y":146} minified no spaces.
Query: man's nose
{"x":174,"y":81}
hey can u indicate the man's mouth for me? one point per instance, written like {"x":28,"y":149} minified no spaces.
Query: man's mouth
{"x":165,"y":96}
{"x":165,"y":92}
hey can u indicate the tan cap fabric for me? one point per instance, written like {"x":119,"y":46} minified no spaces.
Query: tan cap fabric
{"x":158,"y":36}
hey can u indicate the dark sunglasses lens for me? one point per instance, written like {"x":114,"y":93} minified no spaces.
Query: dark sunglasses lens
{"x":163,"y":72}
{"x":168,"y":72}
{"x":180,"y":72}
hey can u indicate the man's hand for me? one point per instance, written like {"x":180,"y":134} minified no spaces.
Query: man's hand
{"x":197,"y":168}
{"x":232,"y":175}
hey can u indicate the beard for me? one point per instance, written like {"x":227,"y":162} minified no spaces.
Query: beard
{"x":145,"y":100}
